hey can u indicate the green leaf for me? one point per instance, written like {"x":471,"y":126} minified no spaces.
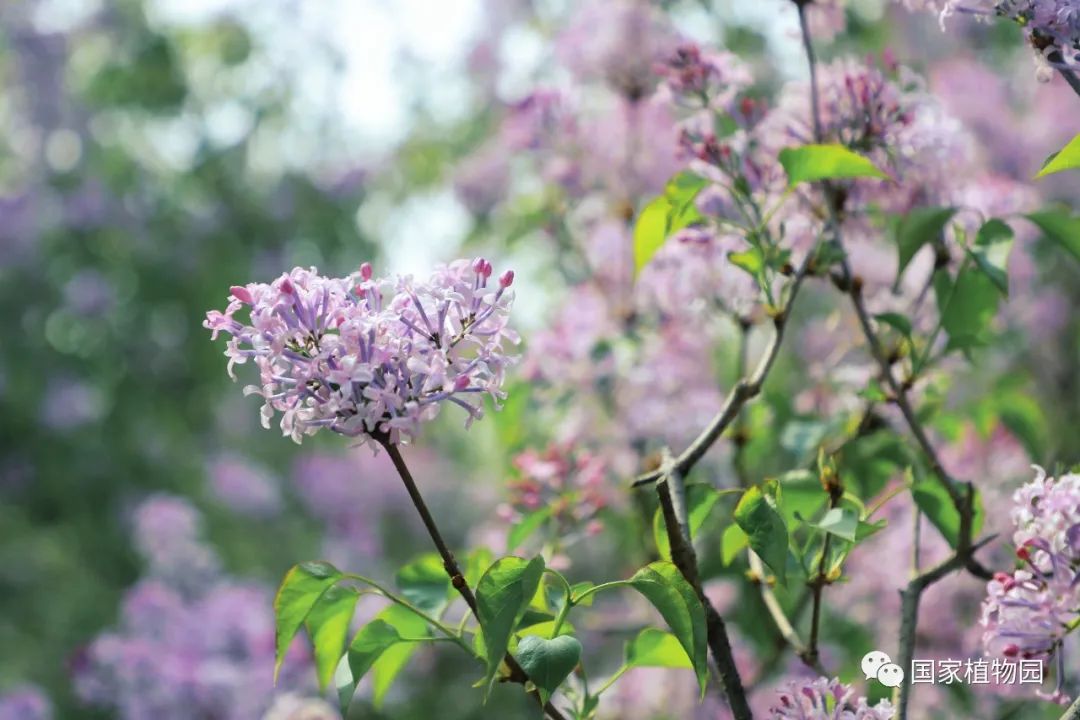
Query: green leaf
{"x":826,"y":162}
{"x":681,"y":192}
{"x":802,"y":437}
{"x":751,"y":260}
{"x":525,"y":527}
{"x":1061,"y":227}
{"x":650,"y":231}
{"x":665,"y":587}
{"x":968,"y":306}
{"x":1067,"y":158}
{"x":425,"y":584}
{"x":578,"y":588}
{"x":548,"y":662}
{"x":867,"y":529}
{"x":936,"y":505}
{"x":655,"y":648}
{"x":841,"y":522}
{"x":732,"y":542}
{"x":767,"y":533}
{"x":394,"y":659}
{"x":896,"y":321}
{"x":1023,"y":416}
{"x":991,"y":253}
{"x":799,"y":494}
{"x":328,"y":626}
{"x":300,"y":589}
{"x":700,"y":500}
{"x":383,"y":647}
{"x":917,"y":228}
{"x":502,"y":596}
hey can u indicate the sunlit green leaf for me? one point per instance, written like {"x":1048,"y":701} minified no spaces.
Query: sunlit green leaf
{"x":502,"y":596}
{"x":826,"y":162}
{"x":655,"y":648}
{"x":1061,"y":227}
{"x":328,"y":626}
{"x":301,"y":588}
{"x":665,"y":587}
{"x":1067,"y":158}
{"x":425,"y":584}
{"x":767,"y":533}
{"x":841,"y":522}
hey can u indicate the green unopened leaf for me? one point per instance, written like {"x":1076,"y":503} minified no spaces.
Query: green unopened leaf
{"x":765,"y":529}
{"x":301,"y":588}
{"x":935,"y":504}
{"x":502,"y":596}
{"x":669,"y":592}
{"x":841,"y":522}
{"x":1061,"y":227}
{"x":826,"y":162}
{"x":328,"y":626}
{"x":700,"y":500}
{"x":526,"y":526}
{"x":917,"y":228}
{"x":548,"y":662}
{"x":1067,"y":158}
{"x":425,"y":584}
{"x":655,"y":648}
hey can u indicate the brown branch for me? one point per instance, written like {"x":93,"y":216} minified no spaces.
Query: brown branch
{"x":684,"y":558}
{"x":745,"y":390}
{"x":1073,"y":713}
{"x":457,"y":578}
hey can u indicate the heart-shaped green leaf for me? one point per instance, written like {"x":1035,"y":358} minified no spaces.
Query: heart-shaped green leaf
{"x":548,"y":662}
{"x":502,"y":596}
{"x":300,"y":589}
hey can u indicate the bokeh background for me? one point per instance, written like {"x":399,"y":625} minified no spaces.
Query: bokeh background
{"x":153,"y":153}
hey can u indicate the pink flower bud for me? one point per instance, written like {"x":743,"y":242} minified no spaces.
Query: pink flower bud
{"x":482,"y":267}
{"x":461,"y":382}
{"x":241,"y":293}
{"x":506,"y":279}
{"x":365,"y":271}
{"x":287,"y":286}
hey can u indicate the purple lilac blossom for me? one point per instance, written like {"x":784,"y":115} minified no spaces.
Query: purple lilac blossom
{"x":244,"y":487}
{"x":25,"y":702}
{"x":1029,"y":612}
{"x":369,"y":357}
{"x":824,"y":699}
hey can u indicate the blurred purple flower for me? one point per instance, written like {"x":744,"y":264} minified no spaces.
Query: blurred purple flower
{"x":244,"y":487}
{"x":25,"y":702}
{"x":88,"y":293}
{"x":824,"y":699}
{"x":167,"y":532}
{"x":70,"y":403}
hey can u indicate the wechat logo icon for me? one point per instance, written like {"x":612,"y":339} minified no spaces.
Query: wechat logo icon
{"x":877,"y":665}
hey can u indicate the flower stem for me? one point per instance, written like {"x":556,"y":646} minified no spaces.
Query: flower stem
{"x":457,"y":579}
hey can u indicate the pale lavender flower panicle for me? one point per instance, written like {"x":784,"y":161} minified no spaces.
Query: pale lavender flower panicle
{"x":369,"y":357}
{"x":1029,"y":612}
{"x":703,"y":78}
{"x":25,"y":702}
{"x":168,"y":534}
{"x":824,"y":699}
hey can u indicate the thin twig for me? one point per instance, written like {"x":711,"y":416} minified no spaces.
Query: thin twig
{"x":909,"y":616}
{"x":1070,"y":77}
{"x":817,"y":585}
{"x":684,"y":558}
{"x":745,"y":390}
{"x":1073,"y":713}
{"x":457,"y":578}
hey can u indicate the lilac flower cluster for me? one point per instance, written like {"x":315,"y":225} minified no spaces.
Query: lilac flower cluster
{"x":1028,"y":612}
{"x":185,"y":650}
{"x":824,"y":699}
{"x":370,"y":357}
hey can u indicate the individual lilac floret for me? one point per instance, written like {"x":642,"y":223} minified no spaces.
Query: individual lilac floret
{"x":370,"y":357}
{"x":1028,"y":613}
{"x":824,"y":699}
